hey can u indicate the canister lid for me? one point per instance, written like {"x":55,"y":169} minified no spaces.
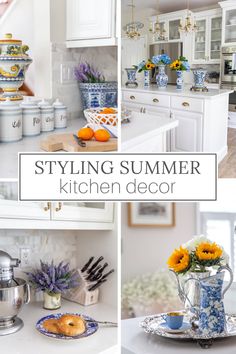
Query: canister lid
{"x":9,"y":40}
{"x":27,"y":103}
{"x":44,"y":104}
{"x":58,"y":104}
{"x":9,"y":105}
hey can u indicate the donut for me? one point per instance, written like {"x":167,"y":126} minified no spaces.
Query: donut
{"x":51,"y":326}
{"x":71,"y":325}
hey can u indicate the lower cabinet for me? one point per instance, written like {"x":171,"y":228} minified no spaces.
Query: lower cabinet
{"x":188,"y":135}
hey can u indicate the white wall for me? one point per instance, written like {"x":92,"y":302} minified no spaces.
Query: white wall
{"x":147,"y":249}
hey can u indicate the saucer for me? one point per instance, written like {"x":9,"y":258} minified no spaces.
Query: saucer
{"x":185,"y":327}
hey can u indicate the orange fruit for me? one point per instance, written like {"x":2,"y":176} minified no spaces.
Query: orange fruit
{"x":85,"y":133}
{"x":102,"y":135}
{"x":108,"y":111}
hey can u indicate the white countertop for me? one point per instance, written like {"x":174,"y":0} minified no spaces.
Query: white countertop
{"x":143,"y":127}
{"x":29,"y":341}
{"x":9,"y":151}
{"x":171,"y":90}
{"x":136,"y":341}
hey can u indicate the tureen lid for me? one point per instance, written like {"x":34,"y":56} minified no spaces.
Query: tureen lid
{"x":9,"y":40}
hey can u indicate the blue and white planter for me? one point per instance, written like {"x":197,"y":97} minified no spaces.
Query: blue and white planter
{"x":161,"y":78}
{"x":131,"y":74}
{"x":146,"y":78}
{"x":180,"y":80}
{"x":98,"y":94}
{"x":199,"y":79}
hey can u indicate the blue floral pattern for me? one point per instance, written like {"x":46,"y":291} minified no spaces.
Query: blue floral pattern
{"x":212,"y":314}
{"x":98,"y":94}
{"x":91,"y":327}
{"x":161,"y":78}
{"x":180,"y":80}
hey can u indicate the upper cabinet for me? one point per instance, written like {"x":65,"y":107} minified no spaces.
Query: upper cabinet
{"x":229,"y":22}
{"x":207,"y":38}
{"x":61,"y":215}
{"x":169,"y":25}
{"x":91,"y":23}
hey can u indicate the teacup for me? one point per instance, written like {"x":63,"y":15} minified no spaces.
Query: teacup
{"x":174,"y":320}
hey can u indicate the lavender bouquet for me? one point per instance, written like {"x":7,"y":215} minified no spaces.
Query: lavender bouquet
{"x":86,"y":73}
{"x":53,"y":279}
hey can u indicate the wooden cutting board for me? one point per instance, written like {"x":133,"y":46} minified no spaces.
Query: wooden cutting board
{"x":67,"y":142}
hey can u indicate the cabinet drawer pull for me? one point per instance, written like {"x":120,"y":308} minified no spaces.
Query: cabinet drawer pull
{"x":185,"y":104}
{"x":155,"y":100}
{"x":59,"y":206}
{"x":48,"y":207}
{"x":132,"y":97}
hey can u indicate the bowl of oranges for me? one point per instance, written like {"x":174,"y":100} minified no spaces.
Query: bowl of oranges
{"x":99,"y":116}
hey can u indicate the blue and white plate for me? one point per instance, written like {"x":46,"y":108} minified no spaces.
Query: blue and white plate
{"x":91,"y":327}
{"x":185,"y":327}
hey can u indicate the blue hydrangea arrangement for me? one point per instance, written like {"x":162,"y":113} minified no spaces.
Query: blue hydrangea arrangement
{"x":162,"y":59}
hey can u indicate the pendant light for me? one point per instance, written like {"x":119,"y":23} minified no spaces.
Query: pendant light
{"x":156,"y":28}
{"x":133,"y":28}
{"x":189,"y":26}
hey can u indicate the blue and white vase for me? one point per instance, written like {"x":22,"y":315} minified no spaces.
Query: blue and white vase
{"x":212,"y":314}
{"x":131,"y":74}
{"x":96,"y":95}
{"x":180,"y":80}
{"x":199,"y":79}
{"x":161,"y":78}
{"x":146,"y":78}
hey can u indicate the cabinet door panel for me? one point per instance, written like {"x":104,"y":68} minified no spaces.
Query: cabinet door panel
{"x":200,"y":42}
{"x":90,"y":19}
{"x":83,"y":211}
{"x":215,"y":41}
{"x":188,"y":135}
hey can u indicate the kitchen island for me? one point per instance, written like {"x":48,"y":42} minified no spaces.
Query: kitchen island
{"x":29,"y":341}
{"x":136,"y":341}
{"x":202,"y":116}
{"x":146,"y":133}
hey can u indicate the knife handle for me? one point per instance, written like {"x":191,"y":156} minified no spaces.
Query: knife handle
{"x":87,"y":265}
{"x":107,"y":274}
{"x":95,"y":264}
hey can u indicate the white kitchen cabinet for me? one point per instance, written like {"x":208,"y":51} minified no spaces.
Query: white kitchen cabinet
{"x":229,"y":22}
{"x":66,"y":215}
{"x":207,"y":39}
{"x":91,"y":23}
{"x":188,"y":135}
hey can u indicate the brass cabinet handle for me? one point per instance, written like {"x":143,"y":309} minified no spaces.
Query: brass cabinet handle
{"x":141,"y":110}
{"x":132,"y":97}
{"x":185,"y":104}
{"x":144,"y":110}
{"x":48,"y":207}
{"x":155,"y":100}
{"x":59,"y":207}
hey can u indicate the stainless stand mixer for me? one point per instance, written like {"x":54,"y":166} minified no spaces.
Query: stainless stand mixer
{"x":14,"y":293}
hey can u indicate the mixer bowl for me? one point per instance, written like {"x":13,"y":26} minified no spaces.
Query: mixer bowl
{"x":12,"y":300}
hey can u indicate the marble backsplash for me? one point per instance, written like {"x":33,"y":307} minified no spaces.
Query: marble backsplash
{"x":103,"y":58}
{"x":43,"y":244}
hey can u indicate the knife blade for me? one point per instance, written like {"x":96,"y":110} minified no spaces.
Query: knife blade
{"x":79,"y":141}
{"x":95,"y":264}
{"x":85,"y":267}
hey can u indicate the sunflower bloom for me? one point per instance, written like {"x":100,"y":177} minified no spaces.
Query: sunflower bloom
{"x":179,"y":261}
{"x":208,"y":251}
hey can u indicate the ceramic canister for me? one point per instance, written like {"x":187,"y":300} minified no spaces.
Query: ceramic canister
{"x":10,"y":121}
{"x":31,"y":118}
{"x":60,"y":114}
{"x":47,"y":116}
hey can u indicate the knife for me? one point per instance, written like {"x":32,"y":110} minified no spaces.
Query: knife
{"x":95,"y":286}
{"x":79,"y":141}
{"x":92,"y":274}
{"x":99,"y":274}
{"x":107,"y":274}
{"x":85,"y":267}
{"x":95,"y":264}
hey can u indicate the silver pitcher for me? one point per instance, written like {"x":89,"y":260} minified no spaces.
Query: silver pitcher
{"x":189,"y":291}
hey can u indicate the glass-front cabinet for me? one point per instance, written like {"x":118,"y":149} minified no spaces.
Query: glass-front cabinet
{"x":230,"y":26}
{"x":174,"y":34}
{"x":207,"y":38}
{"x":68,"y":215}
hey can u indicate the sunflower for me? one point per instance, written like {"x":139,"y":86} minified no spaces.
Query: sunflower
{"x":150,"y":66}
{"x":208,"y":252}
{"x":176,"y":65}
{"x":179,"y":261}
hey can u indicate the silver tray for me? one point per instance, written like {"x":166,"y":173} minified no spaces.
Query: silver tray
{"x":152,"y":325}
